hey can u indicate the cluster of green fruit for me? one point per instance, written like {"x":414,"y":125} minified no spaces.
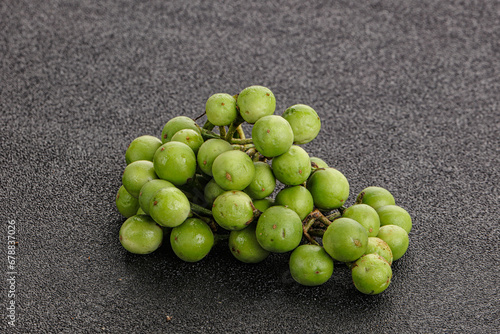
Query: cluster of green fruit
{"x":199,"y":186}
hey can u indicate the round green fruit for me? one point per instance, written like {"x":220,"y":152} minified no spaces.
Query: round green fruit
{"x":279,"y":229}
{"x":169,"y":207}
{"x":190,"y":137}
{"x":345,"y":240}
{"x":263,"y":204}
{"x":136,"y":174}
{"x":395,"y":215}
{"x":318,"y":163}
{"x":210,"y":150}
{"x":375,"y":197}
{"x":233,"y":210}
{"x":221,"y":109}
{"x":366,"y":216}
{"x":263,"y":183}
{"x":380,"y":247}
{"x":176,"y":124}
{"x":148,"y":190}
{"x":233,"y":170}
{"x":142,"y":148}
{"x":329,"y":188}
{"x":304,"y":121}
{"x":297,"y":198}
{"x":371,"y":274}
{"x":139,"y":234}
{"x":211,"y":191}
{"x":272,"y":136}
{"x":126,"y":204}
{"x":175,"y":162}
{"x":293,"y":167}
{"x":244,"y":246}
{"x":310,"y":265}
{"x":192,"y":240}
{"x":397,"y":238}
{"x":255,"y":102}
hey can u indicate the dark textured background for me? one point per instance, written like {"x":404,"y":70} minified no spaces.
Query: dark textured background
{"x":408,"y":93}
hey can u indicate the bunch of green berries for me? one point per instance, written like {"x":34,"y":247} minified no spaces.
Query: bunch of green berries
{"x":201,"y":184}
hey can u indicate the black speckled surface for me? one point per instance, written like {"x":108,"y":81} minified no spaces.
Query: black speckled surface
{"x":408,"y":94}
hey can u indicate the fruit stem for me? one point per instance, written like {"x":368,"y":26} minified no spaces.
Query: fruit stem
{"x":240,"y":141}
{"x":320,"y":217}
{"x":308,"y":223}
{"x":334,"y":216}
{"x":232,"y":128}
{"x":240,"y":132}
{"x":208,"y":134}
{"x":197,"y":209}
{"x":198,"y":117}
{"x":222,"y":131}
{"x":208,"y":126}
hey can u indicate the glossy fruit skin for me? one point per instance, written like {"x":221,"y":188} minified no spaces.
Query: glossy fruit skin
{"x":233,"y":170}
{"x":136,"y":174}
{"x":190,"y":137}
{"x":192,"y":240}
{"x":263,"y":183}
{"x":310,"y":265}
{"x":233,"y":210}
{"x":148,"y":190}
{"x":371,"y":274}
{"x":255,"y":102}
{"x":319,"y":162}
{"x":395,"y":215}
{"x":126,"y":204}
{"x":297,"y":198}
{"x":375,"y":197}
{"x":142,"y":148}
{"x":293,"y":167}
{"x":139,"y":234}
{"x":221,"y":109}
{"x":210,"y":150}
{"x":345,"y":240}
{"x":175,"y":124}
{"x":169,"y":207}
{"x":279,"y":229}
{"x":329,"y":188}
{"x":366,"y":216}
{"x":263,"y":204}
{"x":379,"y":247}
{"x":175,"y":162}
{"x":397,"y":238}
{"x":304,"y":121}
{"x":211,"y":191}
{"x":244,"y":246}
{"x":272,"y":135}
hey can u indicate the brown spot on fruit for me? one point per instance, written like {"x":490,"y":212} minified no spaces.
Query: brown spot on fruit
{"x":204,"y":162}
{"x":121,"y":238}
{"x":263,"y":189}
{"x":140,"y":194}
{"x":165,"y":136}
{"x":238,"y":251}
{"x":162,"y":149}
{"x":187,"y":138}
{"x":317,"y":271}
{"x":155,"y":202}
{"x":274,"y":226}
{"x":300,"y":171}
{"x":370,"y":230}
{"x":267,"y":94}
{"x":268,"y":131}
{"x":222,"y":104}
{"x":357,"y":243}
{"x":228,"y":177}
